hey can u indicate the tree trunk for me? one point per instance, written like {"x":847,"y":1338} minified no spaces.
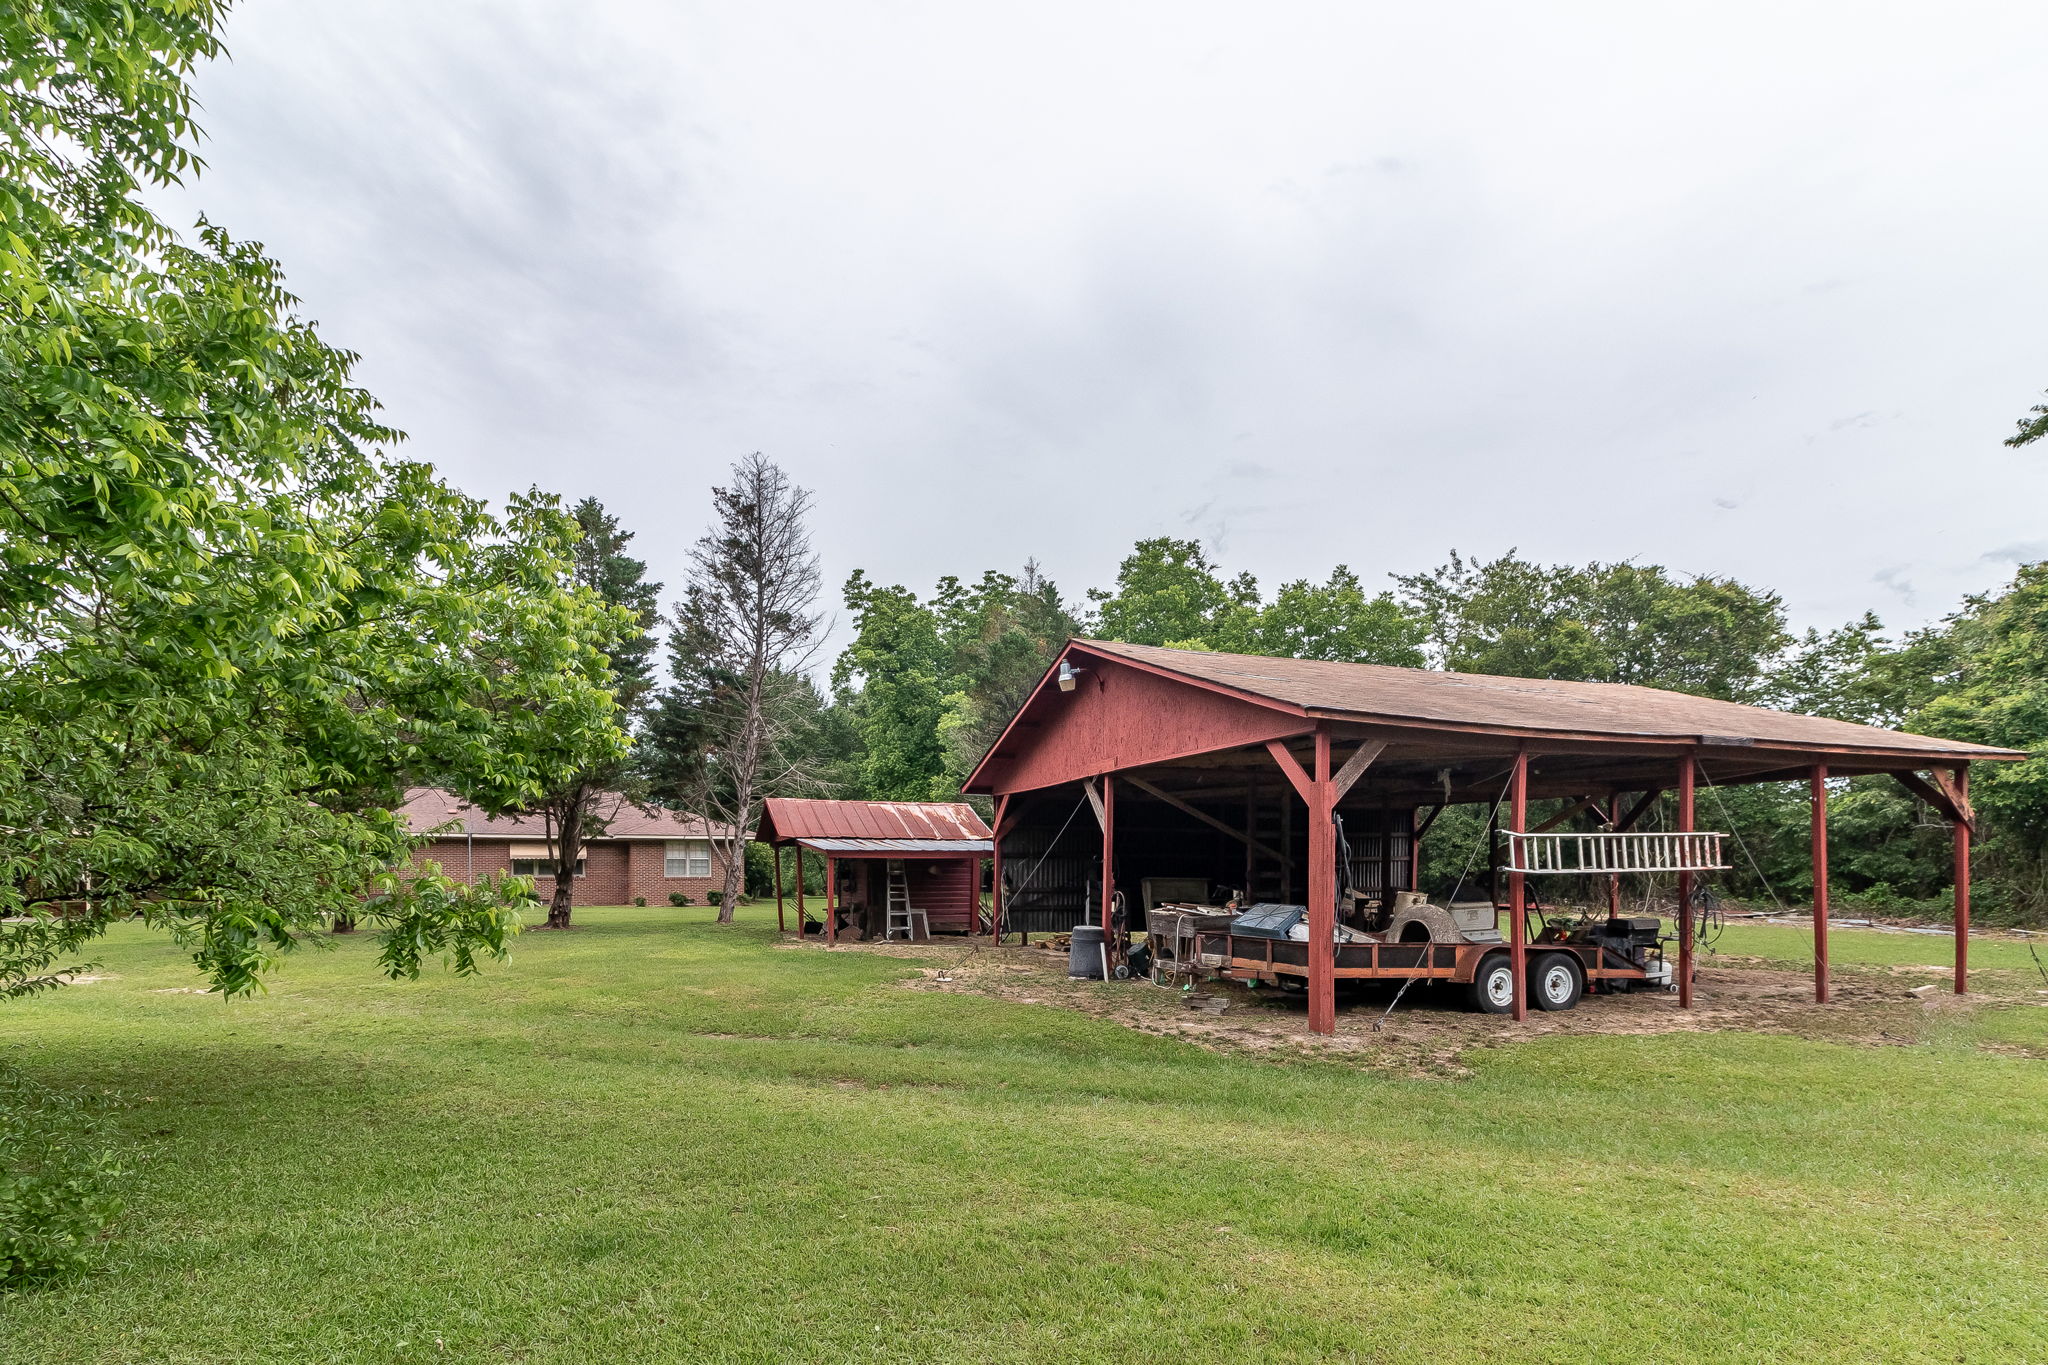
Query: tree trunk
{"x":344,"y":924}
{"x":568,"y":848}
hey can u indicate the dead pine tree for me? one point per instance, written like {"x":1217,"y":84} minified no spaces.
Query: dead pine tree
{"x":745,"y":632}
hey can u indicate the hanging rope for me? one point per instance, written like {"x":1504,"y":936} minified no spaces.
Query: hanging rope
{"x":1026,"y":883}
{"x":1471,"y":857}
{"x":1742,"y":843}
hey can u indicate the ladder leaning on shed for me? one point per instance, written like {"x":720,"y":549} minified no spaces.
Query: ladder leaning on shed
{"x":1577,"y":854}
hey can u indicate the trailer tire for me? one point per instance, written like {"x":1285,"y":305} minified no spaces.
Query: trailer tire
{"x":1556,"y":981}
{"x":1493,"y":985}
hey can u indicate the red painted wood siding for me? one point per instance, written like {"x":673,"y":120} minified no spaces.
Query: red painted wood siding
{"x":1122,"y":717}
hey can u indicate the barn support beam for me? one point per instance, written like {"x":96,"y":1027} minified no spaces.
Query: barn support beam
{"x":779,"y":925}
{"x":1959,"y":788}
{"x":1687,"y":771}
{"x":1819,"y":796}
{"x":831,"y":900}
{"x":799,"y":891}
{"x":1105,"y":809}
{"x":1518,"y":928}
{"x":1322,"y":890}
{"x":995,"y":903}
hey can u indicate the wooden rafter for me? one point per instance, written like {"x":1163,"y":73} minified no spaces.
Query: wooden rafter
{"x":1940,"y":794}
{"x":1355,"y":766}
{"x":1146,"y":787}
{"x":1291,"y":766}
{"x":1637,"y":811}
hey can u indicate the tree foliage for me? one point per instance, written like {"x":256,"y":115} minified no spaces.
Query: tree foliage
{"x":232,"y":630}
{"x":1615,"y":623}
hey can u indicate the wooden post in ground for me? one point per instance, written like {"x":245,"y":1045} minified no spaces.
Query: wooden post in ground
{"x":1518,"y":929}
{"x":831,"y":901}
{"x":1686,"y":770}
{"x":1322,"y":892}
{"x":779,"y":924}
{"x":1962,"y":873}
{"x":1819,"y":798}
{"x":995,"y":902}
{"x":1108,"y":848}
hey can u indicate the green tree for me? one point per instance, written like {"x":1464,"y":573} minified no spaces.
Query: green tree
{"x":584,"y":806}
{"x":893,"y":680}
{"x":1336,"y":620}
{"x":1621,"y":623}
{"x":1168,"y":593}
{"x":231,"y":630}
{"x":2032,"y":427}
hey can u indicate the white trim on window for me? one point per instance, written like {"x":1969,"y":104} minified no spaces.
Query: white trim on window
{"x":686,"y":858}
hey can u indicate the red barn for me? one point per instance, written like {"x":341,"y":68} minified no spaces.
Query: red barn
{"x":908,"y":866}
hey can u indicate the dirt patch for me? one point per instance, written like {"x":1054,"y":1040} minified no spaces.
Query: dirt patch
{"x":1430,"y":1031}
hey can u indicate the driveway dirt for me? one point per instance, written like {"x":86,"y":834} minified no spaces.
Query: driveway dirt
{"x":1430,"y":1031}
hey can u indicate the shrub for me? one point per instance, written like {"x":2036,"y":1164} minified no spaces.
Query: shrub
{"x":58,"y":1170}
{"x":714,"y":897}
{"x":639,"y":900}
{"x":678,"y":898}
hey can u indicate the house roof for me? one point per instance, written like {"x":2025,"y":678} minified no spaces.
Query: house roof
{"x":1379,"y":692}
{"x":443,"y":812}
{"x":784,"y":817}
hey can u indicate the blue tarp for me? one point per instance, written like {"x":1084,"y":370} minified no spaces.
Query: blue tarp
{"x":1268,"y":921}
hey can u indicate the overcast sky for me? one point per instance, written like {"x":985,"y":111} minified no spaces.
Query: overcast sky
{"x":1739,"y":289}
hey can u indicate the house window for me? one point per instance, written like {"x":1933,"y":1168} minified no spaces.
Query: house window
{"x":687,"y":858}
{"x":542,"y":867}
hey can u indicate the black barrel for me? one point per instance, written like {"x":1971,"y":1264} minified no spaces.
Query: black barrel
{"x":1084,"y":957}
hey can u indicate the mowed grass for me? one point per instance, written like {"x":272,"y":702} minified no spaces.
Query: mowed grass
{"x":653,"y":1139}
{"x":1873,"y":948}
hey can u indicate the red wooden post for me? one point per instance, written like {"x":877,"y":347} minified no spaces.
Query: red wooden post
{"x":831,"y":901}
{"x":1322,"y":893}
{"x":1518,"y":930}
{"x":779,"y":925}
{"x":1962,"y":837}
{"x":1108,"y":847}
{"x":800,"y":916}
{"x":995,"y":905}
{"x":1614,"y":881}
{"x":1685,"y":813}
{"x":1820,"y":883}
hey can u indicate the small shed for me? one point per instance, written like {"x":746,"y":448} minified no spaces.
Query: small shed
{"x":891,"y":867}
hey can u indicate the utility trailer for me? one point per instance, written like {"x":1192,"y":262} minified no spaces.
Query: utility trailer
{"x":1402,"y":938}
{"x":1608,"y":957}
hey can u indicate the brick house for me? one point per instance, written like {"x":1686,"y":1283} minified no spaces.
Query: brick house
{"x":644,"y":851}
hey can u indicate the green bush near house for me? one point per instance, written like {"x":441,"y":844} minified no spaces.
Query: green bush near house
{"x":678,"y":898}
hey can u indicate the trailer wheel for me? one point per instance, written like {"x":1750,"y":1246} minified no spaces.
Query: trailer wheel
{"x":1493,"y":985}
{"x":1556,"y":981}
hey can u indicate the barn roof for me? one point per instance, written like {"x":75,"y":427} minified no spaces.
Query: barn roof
{"x":1318,"y":687}
{"x":784,"y":817}
{"x":431,"y":809}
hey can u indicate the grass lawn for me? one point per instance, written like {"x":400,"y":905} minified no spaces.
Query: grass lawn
{"x":1873,"y":948}
{"x":656,"y":1140}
